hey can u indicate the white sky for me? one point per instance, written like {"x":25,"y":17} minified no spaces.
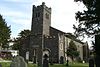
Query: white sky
{"x":18,"y":14}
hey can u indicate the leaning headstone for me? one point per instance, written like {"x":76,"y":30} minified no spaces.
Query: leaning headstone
{"x":18,"y":61}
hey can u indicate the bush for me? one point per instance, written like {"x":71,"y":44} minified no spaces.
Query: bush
{"x":79,"y":60}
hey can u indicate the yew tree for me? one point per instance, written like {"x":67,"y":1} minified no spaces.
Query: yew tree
{"x":22,"y":35}
{"x":5,"y":33}
{"x":88,"y":20}
{"x":72,"y":50}
{"x":89,"y":23}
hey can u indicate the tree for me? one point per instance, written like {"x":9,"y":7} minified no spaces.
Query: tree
{"x":72,"y":50}
{"x":5,"y":33}
{"x":16,"y":45}
{"x":22,"y":35}
{"x":89,"y":23}
{"x":89,"y":20}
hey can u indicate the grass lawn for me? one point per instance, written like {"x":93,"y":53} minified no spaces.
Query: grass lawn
{"x":71,"y":65}
{"x":7,"y":64}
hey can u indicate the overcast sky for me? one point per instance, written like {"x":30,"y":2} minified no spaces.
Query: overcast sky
{"x":18,"y":13}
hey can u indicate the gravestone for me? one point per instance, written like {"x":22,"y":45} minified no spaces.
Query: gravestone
{"x":18,"y":61}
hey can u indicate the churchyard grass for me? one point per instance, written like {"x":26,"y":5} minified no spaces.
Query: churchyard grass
{"x":7,"y":64}
{"x":71,"y":65}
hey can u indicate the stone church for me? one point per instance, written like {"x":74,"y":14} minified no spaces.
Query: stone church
{"x":45,"y":39}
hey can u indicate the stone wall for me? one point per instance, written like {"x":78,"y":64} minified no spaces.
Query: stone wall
{"x":41,"y":19}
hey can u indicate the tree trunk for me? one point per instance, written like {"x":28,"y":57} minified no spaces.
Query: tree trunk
{"x":97,"y":61}
{"x":97,"y":50}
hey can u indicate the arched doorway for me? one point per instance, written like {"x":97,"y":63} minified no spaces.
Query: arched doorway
{"x":46,"y":51}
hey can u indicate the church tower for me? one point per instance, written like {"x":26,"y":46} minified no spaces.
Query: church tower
{"x":41,"y":20}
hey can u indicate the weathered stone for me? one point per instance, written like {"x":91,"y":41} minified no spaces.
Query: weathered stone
{"x":18,"y":61}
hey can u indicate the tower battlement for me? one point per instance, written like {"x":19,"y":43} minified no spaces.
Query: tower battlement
{"x":41,"y":19}
{"x":42,"y":6}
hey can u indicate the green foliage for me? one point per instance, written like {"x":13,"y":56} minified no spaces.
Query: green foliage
{"x":4,"y":33}
{"x":72,"y":50}
{"x":89,"y":20}
{"x":16,"y":45}
{"x":22,"y":35}
{"x":72,"y":46}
